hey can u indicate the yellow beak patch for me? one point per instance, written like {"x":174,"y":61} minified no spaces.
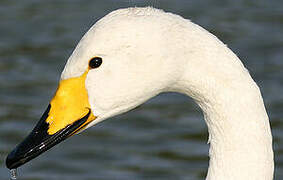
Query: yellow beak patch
{"x":69,"y":104}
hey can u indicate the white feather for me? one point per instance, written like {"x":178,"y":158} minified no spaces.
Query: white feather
{"x":147,"y":51}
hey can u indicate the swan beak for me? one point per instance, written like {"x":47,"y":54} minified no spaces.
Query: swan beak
{"x":67,"y":114}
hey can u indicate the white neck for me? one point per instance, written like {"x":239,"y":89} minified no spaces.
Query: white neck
{"x":151,"y":52}
{"x":239,"y":131}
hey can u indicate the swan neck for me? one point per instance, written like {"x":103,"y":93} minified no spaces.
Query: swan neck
{"x":239,"y":131}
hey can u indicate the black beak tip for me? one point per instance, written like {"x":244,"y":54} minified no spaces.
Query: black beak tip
{"x":12,"y":161}
{"x":20,"y":155}
{"x":40,"y":141}
{"x":9,"y":161}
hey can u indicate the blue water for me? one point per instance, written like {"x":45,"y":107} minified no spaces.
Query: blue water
{"x":164,"y":138}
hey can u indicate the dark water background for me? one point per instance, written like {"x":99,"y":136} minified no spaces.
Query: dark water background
{"x":164,"y":138}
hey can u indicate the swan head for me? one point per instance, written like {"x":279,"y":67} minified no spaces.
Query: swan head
{"x":136,"y":62}
{"x":122,"y":61}
{"x":133,"y":54}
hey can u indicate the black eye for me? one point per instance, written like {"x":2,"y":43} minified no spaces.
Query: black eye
{"x":95,"y":62}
